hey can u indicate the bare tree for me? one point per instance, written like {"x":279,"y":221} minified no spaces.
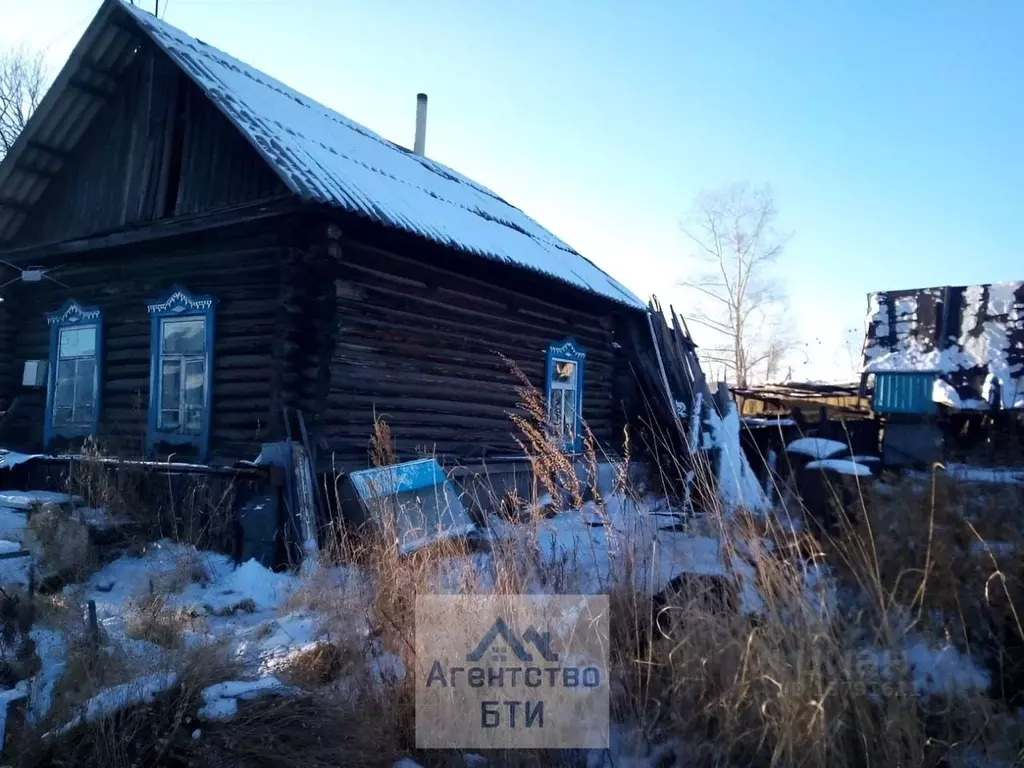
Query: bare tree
{"x":735,"y":297}
{"x":22,"y":84}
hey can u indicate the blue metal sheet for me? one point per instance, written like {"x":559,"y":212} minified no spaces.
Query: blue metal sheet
{"x":903,"y":393}
{"x":398,"y":478}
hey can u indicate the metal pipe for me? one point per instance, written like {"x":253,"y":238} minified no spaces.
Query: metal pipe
{"x":420,"y":145}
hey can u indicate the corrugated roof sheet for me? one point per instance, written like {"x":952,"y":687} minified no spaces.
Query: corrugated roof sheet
{"x":325,"y":157}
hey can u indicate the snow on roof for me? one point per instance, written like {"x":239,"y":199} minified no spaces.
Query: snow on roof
{"x":324,"y":157}
{"x":816,"y":447}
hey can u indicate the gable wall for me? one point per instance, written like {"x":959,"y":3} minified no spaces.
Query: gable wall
{"x":157,"y":149}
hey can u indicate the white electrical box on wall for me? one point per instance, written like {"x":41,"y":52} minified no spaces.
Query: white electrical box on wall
{"x":34,"y":374}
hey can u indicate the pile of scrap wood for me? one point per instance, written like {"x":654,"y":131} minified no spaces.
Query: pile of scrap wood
{"x":676,"y":393}
{"x":803,"y":399}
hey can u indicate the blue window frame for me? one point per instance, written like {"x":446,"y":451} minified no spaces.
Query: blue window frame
{"x":564,"y":391}
{"x":73,"y":381}
{"x":181,"y":366}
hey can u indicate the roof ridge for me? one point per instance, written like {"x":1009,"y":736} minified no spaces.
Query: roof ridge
{"x":323,"y":156}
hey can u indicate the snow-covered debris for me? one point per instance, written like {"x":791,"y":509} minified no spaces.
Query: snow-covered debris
{"x":14,"y":571}
{"x":142,"y":690}
{"x":325,"y":157}
{"x":12,"y":524}
{"x":8,"y":697}
{"x":984,"y":338}
{"x":996,"y":475}
{"x":220,"y":701}
{"x":10,"y":459}
{"x":51,"y":648}
{"x":274,"y":644}
{"x":248,"y":582}
{"x":841,"y":466}
{"x":816,"y":447}
{"x":738,"y":486}
{"x":28,"y":499}
{"x":755,"y":422}
{"x":629,"y":546}
{"x":945,"y":393}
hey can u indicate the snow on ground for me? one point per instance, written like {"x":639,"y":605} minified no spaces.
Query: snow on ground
{"x":12,"y":524}
{"x":629,"y":747}
{"x":220,"y":701}
{"x":816,"y":447}
{"x":841,"y":466}
{"x":249,"y":607}
{"x":14,"y":571}
{"x":51,"y":648}
{"x":110,"y":700}
{"x":598,"y":550}
{"x":931,"y":670}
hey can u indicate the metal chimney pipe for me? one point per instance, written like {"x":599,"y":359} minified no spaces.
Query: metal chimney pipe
{"x":421,"y":124}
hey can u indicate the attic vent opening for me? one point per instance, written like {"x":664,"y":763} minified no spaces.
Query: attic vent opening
{"x":177,"y":154}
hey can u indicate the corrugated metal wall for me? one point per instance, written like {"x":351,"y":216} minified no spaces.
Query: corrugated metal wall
{"x":903,"y":393}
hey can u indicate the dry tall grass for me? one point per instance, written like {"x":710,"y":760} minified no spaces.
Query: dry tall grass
{"x":813,"y":678}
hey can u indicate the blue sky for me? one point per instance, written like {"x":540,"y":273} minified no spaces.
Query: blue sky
{"x":892,"y":133}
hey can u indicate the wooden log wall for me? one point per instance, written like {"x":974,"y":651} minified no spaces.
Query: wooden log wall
{"x":157,"y":149}
{"x":241,"y":270}
{"x":418,"y":338}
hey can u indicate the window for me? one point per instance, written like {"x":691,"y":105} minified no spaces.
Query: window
{"x":73,"y":383}
{"x":565,"y":393}
{"x":181,"y":360}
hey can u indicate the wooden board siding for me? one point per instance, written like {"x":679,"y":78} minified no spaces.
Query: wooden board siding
{"x":242,"y":272}
{"x":419,"y":343}
{"x":158,"y":148}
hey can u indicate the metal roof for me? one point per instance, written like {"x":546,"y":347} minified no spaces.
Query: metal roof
{"x":321,"y":155}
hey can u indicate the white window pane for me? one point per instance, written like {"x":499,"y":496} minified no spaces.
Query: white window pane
{"x":569,"y":412}
{"x":64,"y":392}
{"x":195,"y":380}
{"x":193,"y":420}
{"x":556,"y":410}
{"x":170,"y":386}
{"x":85,"y":370}
{"x":84,"y":414}
{"x":61,"y":415}
{"x":169,"y":419}
{"x":184,"y":337}
{"x":78,"y":342}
